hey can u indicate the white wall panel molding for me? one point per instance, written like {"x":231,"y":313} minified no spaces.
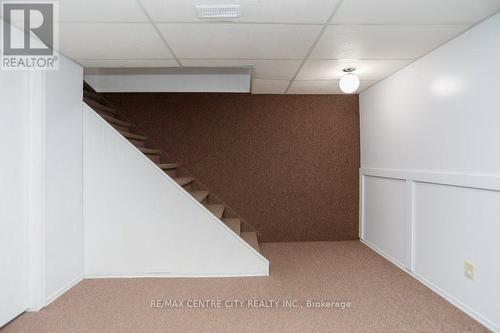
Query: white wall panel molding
{"x":430,"y":223}
{"x":36,"y":196}
{"x":386,"y":212}
{"x":480,"y":181}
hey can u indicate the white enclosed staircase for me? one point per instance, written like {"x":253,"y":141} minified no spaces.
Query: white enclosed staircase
{"x":161,"y":207}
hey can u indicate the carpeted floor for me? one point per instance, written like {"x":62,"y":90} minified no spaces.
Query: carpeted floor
{"x":382,"y":299}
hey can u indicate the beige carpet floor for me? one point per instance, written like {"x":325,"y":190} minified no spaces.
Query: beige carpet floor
{"x":382,"y":299}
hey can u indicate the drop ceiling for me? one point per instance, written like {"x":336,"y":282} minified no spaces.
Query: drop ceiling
{"x":294,"y":46}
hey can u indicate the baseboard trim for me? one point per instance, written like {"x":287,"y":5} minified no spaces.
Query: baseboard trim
{"x":81,"y":277}
{"x":174,"y":275}
{"x":470,"y":312}
{"x":64,"y":289}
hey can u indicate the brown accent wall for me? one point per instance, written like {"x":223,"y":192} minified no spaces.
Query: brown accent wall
{"x":288,"y":164}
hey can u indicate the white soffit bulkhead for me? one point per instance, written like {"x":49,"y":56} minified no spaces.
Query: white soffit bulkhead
{"x":169,"y":79}
{"x":293,"y":46}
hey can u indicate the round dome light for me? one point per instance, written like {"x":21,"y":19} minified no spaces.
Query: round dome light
{"x":349,"y":83}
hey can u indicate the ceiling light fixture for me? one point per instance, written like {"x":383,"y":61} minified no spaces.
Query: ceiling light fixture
{"x":349,"y":83}
{"x":218,"y":11}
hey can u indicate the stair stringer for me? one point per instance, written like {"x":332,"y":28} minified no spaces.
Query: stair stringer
{"x":138,"y":222}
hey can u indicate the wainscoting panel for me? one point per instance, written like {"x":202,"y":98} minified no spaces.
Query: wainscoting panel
{"x":431,"y":224}
{"x":454,"y":225}
{"x":385,"y":224}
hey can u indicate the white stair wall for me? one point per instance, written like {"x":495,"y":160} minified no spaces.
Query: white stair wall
{"x":139,"y":223}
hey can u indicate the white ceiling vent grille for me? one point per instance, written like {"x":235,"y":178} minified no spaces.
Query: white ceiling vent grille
{"x":218,"y":11}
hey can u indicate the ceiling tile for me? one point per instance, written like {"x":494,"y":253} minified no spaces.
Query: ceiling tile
{"x":264,"y":69}
{"x":322,"y":87}
{"x":128,"y":62}
{"x":100,"y":11}
{"x":226,"y":40}
{"x":382,"y":41}
{"x":365,"y":69}
{"x":415,"y":11}
{"x":260,"y":86}
{"x":275,"y":11}
{"x":111,"y":41}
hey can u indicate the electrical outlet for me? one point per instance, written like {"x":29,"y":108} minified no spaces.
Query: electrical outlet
{"x":469,"y":270}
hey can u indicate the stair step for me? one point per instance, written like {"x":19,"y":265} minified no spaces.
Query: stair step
{"x":99,"y":107}
{"x":216,"y":209}
{"x":121,"y":128}
{"x":199,"y":195}
{"x":133,"y":135}
{"x":91,"y":95}
{"x":150,"y":151}
{"x":251,"y":239}
{"x":116,"y":121}
{"x":183,"y":180}
{"x":233,"y":223}
{"x":168,"y":166}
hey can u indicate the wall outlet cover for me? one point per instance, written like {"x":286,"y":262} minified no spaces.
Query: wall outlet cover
{"x":469,"y":270}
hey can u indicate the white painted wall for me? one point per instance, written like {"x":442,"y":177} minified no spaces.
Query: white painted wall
{"x":41,"y":234}
{"x":63,"y":178}
{"x":441,"y":112}
{"x":139,"y":222}
{"x":435,"y":126}
{"x":14,"y":145}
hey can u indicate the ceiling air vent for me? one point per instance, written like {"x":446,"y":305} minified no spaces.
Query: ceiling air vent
{"x":218,"y":11}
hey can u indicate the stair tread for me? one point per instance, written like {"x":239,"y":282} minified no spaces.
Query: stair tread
{"x":150,"y":150}
{"x":115,"y":120}
{"x":251,"y":238}
{"x":133,"y":135}
{"x":183,"y":180}
{"x":234,"y":223}
{"x":216,"y":209}
{"x":166,"y":166}
{"x":100,"y":107}
{"x":91,"y":95}
{"x":199,"y":195}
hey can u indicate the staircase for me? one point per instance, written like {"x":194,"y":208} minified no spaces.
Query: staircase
{"x":174,"y":170}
